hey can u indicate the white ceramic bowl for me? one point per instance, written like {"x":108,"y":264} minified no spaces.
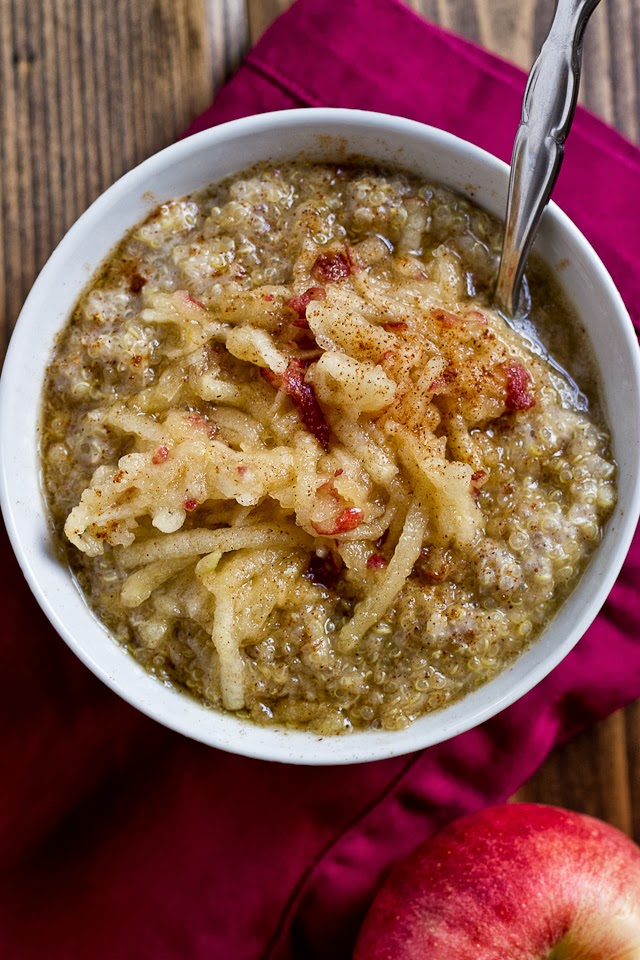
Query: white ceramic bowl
{"x":321,"y":134}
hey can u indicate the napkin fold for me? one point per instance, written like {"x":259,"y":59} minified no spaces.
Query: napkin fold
{"x":120,"y":839}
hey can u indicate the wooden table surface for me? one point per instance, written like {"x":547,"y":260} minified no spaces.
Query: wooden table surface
{"x":90,"y":88}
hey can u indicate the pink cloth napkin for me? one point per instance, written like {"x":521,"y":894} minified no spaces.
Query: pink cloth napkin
{"x":120,"y":839}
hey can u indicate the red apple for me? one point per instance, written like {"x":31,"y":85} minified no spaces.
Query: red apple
{"x":514,"y":882}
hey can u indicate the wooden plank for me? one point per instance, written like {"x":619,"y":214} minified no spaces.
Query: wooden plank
{"x":632,"y":730}
{"x":227,"y":36}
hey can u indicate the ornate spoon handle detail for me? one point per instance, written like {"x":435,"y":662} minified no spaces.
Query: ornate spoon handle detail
{"x":547,"y":111}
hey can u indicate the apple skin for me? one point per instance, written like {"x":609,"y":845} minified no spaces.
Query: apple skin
{"x":512,"y":882}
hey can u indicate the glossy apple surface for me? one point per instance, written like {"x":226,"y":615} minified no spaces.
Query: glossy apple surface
{"x":513,"y":882}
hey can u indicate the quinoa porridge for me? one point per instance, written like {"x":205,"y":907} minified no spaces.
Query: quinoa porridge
{"x":299,"y":466}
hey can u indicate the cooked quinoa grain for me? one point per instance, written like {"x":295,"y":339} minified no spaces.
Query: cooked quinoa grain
{"x":300,"y":467}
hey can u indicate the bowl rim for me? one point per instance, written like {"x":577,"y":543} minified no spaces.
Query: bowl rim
{"x":276,"y":743}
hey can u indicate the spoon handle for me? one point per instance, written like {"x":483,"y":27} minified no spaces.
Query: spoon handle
{"x":547,"y":111}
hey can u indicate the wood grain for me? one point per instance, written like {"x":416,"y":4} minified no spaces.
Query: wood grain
{"x":88,"y":89}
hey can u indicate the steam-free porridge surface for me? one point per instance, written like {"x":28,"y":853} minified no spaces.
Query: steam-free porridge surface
{"x":300,"y":467}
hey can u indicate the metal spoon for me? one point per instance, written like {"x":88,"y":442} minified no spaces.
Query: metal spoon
{"x":547,"y":111}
